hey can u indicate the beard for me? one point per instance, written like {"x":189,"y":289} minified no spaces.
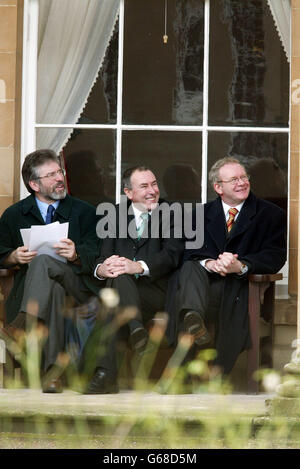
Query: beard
{"x":50,"y":193}
{"x":57,"y":195}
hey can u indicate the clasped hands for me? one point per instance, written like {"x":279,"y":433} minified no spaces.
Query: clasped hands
{"x":115,"y":265}
{"x":22,"y":255}
{"x":227,"y":263}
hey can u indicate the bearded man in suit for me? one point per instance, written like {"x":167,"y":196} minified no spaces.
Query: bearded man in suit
{"x":137,"y":264}
{"x":213,"y":281}
{"x":42,"y":282}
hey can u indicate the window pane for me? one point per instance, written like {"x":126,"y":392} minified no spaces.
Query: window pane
{"x":163,"y":82}
{"x":101,"y":103}
{"x":101,"y":106}
{"x":249,"y":72}
{"x":264,"y":155}
{"x":90,"y":164}
{"x":175,"y":158}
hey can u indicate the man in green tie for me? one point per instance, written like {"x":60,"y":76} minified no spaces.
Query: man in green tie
{"x":136,"y":264}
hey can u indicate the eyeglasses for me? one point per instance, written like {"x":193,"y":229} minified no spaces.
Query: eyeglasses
{"x":234,"y":181}
{"x":59,"y":172}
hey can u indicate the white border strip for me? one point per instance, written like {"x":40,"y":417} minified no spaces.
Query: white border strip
{"x":29,"y":82}
{"x":192,"y":128}
{"x":205,"y":101}
{"x":119,"y":103}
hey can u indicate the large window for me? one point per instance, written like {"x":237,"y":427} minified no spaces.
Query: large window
{"x":219,"y":86}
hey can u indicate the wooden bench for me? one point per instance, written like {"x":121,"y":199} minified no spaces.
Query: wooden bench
{"x":261,"y":304}
{"x":6,"y":283}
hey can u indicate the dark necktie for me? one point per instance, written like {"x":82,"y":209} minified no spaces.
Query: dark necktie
{"x":50,"y":214}
{"x":232,"y":213}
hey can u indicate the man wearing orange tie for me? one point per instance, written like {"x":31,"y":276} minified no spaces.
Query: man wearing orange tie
{"x":242,"y":235}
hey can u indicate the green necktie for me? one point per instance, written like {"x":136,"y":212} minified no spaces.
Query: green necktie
{"x":144,"y":216}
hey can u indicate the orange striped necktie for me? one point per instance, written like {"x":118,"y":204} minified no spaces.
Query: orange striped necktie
{"x":232,"y":213}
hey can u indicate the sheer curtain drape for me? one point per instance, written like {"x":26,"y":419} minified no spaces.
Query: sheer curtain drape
{"x":73,"y":37}
{"x":281,"y":11}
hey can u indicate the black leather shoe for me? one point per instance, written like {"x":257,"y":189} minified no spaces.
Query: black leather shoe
{"x":54,"y":386}
{"x":139,"y":339}
{"x":193,"y":324}
{"x":102,"y":383}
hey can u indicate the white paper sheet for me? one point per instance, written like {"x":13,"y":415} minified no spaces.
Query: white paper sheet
{"x":41,"y":238}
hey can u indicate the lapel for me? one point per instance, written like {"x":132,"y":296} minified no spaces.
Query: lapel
{"x":63,"y":211}
{"x":245,"y":217}
{"x":154,"y":223}
{"x":216,"y":224}
{"x":130,"y":221}
{"x":147,"y":232}
{"x":146,"y":235}
{"x":30,"y":207}
{"x":215,"y":219}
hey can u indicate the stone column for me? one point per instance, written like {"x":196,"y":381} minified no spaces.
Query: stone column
{"x":290,"y":386}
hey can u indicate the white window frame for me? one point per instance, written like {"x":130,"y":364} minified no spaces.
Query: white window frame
{"x":29,"y":125}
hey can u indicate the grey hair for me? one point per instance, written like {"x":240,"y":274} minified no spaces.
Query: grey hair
{"x":213,"y":175}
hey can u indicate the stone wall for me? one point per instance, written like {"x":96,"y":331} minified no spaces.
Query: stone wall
{"x":10,"y":99}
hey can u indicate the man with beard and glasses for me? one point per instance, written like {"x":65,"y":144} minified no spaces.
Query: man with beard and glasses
{"x":43,"y":282}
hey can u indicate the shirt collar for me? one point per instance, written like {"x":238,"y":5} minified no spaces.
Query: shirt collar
{"x":43,"y":206}
{"x":137,"y":214}
{"x":226,"y":207}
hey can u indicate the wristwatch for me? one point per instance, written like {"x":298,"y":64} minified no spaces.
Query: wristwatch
{"x":244,"y":269}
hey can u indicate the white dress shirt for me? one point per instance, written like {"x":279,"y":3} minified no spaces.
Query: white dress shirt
{"x":43,"y":207}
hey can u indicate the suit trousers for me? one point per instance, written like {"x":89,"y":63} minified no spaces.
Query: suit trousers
{"x":198,"y":290}
{"x":145,"y":296}
{"x":148,"y":297}
{"x":47,"y":283}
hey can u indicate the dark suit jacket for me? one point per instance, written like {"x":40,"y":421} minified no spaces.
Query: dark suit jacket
{"x":162,"y":255}
{"x":82,"y":230}
{"x":259,"y":239}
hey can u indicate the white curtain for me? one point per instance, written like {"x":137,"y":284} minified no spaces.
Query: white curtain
{"x":281,"y":11}
{"x":73,"y":37}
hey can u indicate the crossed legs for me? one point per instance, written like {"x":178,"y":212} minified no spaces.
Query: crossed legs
{"x":46,"y":285}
